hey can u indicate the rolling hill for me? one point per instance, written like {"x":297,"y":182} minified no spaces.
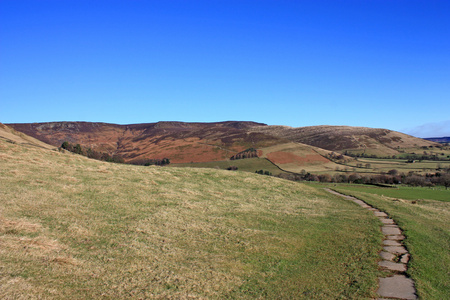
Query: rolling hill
{"x":179,"y":141}
{"x":372,"y":141}
{"x":314,"y":148}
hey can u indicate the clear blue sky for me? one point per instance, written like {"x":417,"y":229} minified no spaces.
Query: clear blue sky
{"x":374,"y":63}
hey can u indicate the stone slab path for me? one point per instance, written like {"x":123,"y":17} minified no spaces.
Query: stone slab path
{"x":394,"y":257}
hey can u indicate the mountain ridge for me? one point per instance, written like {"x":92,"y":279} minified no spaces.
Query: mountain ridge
{"x":213,"y":141}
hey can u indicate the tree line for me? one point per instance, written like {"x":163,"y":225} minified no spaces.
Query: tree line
{"x":103,"y":156}
{"x":441,"y":178}
{"x":247,"y":153}
{"x":89,"y":152}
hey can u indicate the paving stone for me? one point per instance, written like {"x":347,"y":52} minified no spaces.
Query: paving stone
{"x":387,"y":221}
{"x":392,"y":266}
{"x":397,"y":286}
{"x":380,"y":214}
{"x":362,"y":203}
{"x":396,"y":237}
{"x":391,"y":243}
{"x":388,"y":230}
{"x":395,"y":249}
{"x":387,"y":256}
{"x":405,"y":258}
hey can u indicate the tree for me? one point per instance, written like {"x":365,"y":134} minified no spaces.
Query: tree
{"x":77,"y":149}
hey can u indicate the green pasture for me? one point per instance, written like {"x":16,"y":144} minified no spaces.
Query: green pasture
{"x":377,"y":165}
{"x":404,"y":192}
{"x":426,"y":225}
{"x":247,"y":165}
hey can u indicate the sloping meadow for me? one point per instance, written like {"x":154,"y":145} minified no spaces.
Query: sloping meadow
{"x":76,"y":228}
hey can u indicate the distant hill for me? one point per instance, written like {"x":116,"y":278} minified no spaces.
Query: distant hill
{"x":184,"y":142}
{"x":180,"y":141}
{"x":439,"y":140}
{"x":382,"y":142}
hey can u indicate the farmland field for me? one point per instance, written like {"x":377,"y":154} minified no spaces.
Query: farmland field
{"x":248,"y":165}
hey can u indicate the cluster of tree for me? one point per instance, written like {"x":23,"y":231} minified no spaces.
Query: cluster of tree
{"x":151,"y":162}
{"x":391,"y":177}
{"x":427,"y":156}
{"x":78,"y":149}
{"x":157,"y":162}
{"x":335,"y":156}
{"x":409,"y":157}
{"x":248,"y":153}
{"x":362,"y":155}
{"x":263,"y":172}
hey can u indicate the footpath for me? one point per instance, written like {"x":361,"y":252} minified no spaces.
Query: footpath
{"x":394,"y":257}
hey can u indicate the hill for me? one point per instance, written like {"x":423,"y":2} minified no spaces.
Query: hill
{"x":181,"y":142}
{"x":12,"y":136}
{"x":442,"y":140}
{"x":72,"y":227}
{"x":371,"y":141}
{"x":313,"y":149}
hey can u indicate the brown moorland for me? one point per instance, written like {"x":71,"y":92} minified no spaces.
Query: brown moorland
{"x":376,"y":141}
{"x":179,"y":141}
{"x":291,"y":149}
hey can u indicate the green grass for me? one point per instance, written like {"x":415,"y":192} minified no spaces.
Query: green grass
{"x":403,"y":192}
{"x":76,"y":228}
{"x":247,"y":165}
{"x":379,"y":165}
{"x":426,"y":224}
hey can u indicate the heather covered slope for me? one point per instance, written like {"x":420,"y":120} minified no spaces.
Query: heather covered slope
{"x":178,"y":141}
{"x":72,"y":227}
{"x":380,"y":142}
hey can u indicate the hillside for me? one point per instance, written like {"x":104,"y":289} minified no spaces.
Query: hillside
{"x":12,"y":136}
{"x":214,"y":144}
{"x":381,"y":142}
{"x":72,"y":227}
{"x":297,"y":157}
{"x":179,"y":141}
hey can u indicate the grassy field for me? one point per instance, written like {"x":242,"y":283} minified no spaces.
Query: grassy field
{"x":76,"y":228}
{"x":378,"y":165}
{"x":415,"y":194}
{"x":247,"y":165}
{"x":426,"y":224}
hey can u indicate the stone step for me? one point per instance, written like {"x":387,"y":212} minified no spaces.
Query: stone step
{"x":392,"y":266}
{"x":396,"y":237}
{"x":387,"y":256}
{"x":387,"y":230}
{"x":395,"y":249}
{"x":387,"y":221}
{"x":397,"y":286}
{"x":391,"y":243}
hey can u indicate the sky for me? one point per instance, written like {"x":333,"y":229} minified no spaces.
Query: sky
{"x":371,"y":63}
